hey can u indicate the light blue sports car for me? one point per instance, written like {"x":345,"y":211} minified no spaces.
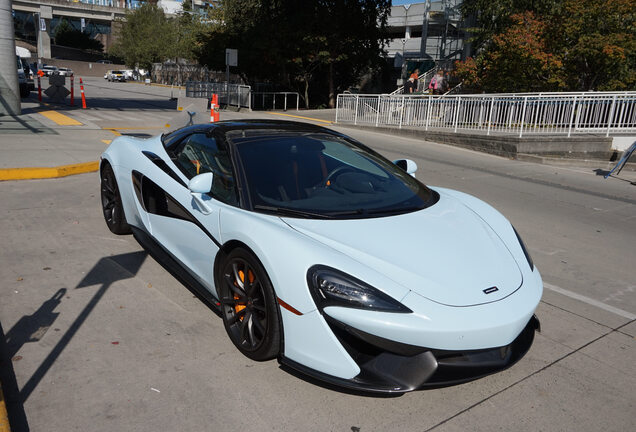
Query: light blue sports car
{"x":318,"y":251}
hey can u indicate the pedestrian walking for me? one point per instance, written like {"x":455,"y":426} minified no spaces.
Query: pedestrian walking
{"x":415,"y":77}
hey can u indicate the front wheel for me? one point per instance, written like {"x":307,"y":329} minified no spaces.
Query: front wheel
{"x":248,"y":306}
{"x":111,"y":203}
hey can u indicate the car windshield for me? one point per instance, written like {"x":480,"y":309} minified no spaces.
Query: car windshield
{"x":319,"y":175}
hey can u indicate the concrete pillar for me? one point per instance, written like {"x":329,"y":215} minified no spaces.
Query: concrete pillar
{"x":44,"y":40}
{"x":427,"y":11}
{"x":9,"y":88}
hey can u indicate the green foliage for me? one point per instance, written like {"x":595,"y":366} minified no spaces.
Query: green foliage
{"x":558,"y":45}
{"x":598,"y":44}
{"x":66,"y":35}
{"x":329,"y":43}
{"x":491,"y":17}
{"x":149,"y":36}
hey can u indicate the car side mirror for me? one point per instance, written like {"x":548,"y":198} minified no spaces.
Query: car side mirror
{"x":201,"y":183}
{"x":407,"y":165}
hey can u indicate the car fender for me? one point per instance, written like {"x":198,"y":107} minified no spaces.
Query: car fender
{"x":122,"y":159}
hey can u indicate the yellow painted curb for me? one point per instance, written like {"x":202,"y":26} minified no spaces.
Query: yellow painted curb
{"x":42,"y":173}
{"x":60,"y":119}
{"x":113,"y":131}
{"x":301,"y":117}
{"x":4,"y":417}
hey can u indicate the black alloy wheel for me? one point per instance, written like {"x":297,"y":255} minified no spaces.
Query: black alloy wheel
{"x":248,"y":306}
{"x":111,"y":203}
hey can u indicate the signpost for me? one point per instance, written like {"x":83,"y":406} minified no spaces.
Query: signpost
{"x":231,"y":59}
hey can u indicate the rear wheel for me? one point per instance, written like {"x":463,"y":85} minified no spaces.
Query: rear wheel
{"x":111,"y":203}
{"x":248,"y":306}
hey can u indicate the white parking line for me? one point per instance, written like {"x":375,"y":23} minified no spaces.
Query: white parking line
{"x":590,"y":301}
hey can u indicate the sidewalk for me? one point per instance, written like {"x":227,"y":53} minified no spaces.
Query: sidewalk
{"x":44,"y":137}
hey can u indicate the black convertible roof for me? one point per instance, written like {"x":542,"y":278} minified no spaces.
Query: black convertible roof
{"x":232,"y":125}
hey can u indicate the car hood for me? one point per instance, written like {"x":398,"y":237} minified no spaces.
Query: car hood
{"x":445,"y":253}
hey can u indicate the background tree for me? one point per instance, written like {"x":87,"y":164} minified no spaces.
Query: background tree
{"x":517,"y":60}
{"x":492,"y":17}
{"x":597,"y":41}
{"x":558,"y":45}
{"x":147,"y":37}
{"x":326,"y":43}
{"x":66,"y":35}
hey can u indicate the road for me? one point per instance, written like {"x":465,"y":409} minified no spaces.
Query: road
{"x":102,"y":338}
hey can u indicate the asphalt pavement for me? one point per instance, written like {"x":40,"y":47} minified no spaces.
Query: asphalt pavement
{"x":98,"y":336}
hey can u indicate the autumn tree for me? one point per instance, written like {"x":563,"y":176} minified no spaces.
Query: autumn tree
{"x":596,"y":39}
{"x":558,"y":45}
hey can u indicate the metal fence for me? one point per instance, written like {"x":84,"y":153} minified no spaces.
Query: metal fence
{"x":553,"y":113}
{"x":275,"y":100}
{"x":231,"y":95}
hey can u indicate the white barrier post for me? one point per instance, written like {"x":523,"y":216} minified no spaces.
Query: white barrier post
{"x":492,"y":107}
{"x":523,"y":115}
{"x":355,"y":118}
{"x":572,"y":116}
{"x":609,"y":120}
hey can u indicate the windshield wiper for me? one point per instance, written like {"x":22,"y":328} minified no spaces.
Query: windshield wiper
{"x":398,"y":210}
{"x":284,"y":211}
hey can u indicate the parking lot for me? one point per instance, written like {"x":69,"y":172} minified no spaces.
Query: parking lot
{"x":100,"y":337}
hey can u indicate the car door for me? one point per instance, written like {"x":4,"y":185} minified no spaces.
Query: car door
{"x":186,"y":225}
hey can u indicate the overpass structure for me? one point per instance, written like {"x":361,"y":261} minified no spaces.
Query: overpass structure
{"x":45,"y":11}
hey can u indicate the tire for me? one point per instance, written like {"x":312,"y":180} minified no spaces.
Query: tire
{"x":24,"y":91}
{"x":248,"y":306}
{"x":112,"y":206}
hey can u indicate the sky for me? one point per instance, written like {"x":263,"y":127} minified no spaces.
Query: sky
{"x":401,"y":2}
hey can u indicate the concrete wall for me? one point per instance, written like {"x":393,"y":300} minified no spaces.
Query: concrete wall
{"x":577,"y":147}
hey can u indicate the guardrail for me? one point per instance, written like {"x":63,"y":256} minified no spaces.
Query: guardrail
{"x":231,"y":95}
{"x":526,"y":113}
{"x":263,"y":100}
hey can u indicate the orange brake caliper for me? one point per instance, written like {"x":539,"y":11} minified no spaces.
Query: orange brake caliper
{"x":240,"y":307}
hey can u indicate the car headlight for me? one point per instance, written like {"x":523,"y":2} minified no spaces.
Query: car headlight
{"x":525,"y":251}
{"x":330,"y":287}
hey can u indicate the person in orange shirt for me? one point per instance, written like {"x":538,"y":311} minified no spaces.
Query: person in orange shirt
{"x":415,"y":77}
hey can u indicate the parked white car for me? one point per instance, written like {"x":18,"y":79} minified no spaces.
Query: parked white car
{"x":65,"y":71}
{"x":50,"y":70}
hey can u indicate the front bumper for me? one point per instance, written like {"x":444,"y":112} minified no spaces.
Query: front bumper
{"x":391,"y":367}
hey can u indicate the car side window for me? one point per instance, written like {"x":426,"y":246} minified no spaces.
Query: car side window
{"x":198,"y":154}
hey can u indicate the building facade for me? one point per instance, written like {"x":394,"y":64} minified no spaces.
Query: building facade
{"x":427,"y":34}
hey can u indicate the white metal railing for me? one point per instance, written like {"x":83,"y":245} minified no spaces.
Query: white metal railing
{"x":526,"y":113}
